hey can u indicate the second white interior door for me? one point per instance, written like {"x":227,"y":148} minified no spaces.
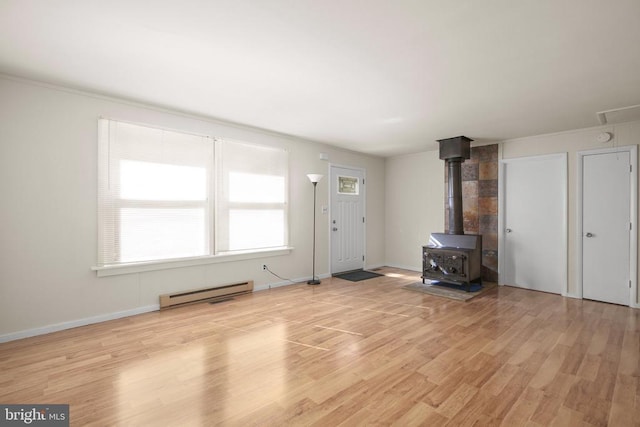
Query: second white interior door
{"x":606,"y":220}
{"x":534,"y":234}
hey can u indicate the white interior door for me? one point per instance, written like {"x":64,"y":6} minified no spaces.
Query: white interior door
{"x":534,"y":223}
{"x":606,"y":220}
{"x":347,"y":219}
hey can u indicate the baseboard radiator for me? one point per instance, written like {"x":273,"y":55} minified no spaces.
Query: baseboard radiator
{"x":207,"y":294}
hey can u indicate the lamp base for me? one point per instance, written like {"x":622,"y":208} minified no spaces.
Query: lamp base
{"x":313,"y":282}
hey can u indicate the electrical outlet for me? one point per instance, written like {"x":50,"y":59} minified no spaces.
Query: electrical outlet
{"x":264,"y":267}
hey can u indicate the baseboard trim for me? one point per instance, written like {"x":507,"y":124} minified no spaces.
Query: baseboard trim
{"x":76,"y":323}
{"x":405,"y":267}
{"x":298,"y":281}
{"x":570,"y":295}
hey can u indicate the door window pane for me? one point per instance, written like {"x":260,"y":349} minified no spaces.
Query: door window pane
{"x":348,"y":185}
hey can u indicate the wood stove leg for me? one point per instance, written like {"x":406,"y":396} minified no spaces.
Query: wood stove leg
{"x":478,"y":281}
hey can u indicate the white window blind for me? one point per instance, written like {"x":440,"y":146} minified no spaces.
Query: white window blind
{"x":161,"y":192}
{"x":154,"y":194}
{"x":252,"y":197}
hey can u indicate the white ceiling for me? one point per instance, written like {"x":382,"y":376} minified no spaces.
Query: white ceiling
{"x":384,"y":77}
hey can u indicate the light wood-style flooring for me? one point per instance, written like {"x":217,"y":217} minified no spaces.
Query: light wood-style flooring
{"x":343,"y":353}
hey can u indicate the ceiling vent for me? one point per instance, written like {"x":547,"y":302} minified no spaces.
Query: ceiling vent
{"x":619,"y":115}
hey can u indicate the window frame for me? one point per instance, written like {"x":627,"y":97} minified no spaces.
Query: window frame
{"x":222,"y":215}
{"x":107,"y":266}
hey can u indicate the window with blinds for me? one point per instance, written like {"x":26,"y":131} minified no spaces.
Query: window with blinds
{"x":252,"y":197}
{"x":161,"y":192}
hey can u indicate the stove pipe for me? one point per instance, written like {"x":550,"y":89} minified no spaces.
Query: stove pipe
{"x":454,"y":151}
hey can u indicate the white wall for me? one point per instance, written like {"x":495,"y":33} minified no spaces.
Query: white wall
{"x":48,"y":229}
{"x":415,"y":206}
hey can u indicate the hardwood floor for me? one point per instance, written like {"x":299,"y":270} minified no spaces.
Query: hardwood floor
{"x":343,"y":353}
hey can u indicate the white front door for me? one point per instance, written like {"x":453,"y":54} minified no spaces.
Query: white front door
{"x":606,"y":223}
{"x":534,"y":223}
{"x":347,"y":219}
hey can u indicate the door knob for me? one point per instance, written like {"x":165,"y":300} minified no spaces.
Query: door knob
{"x":589,"y":235}
{"x":508,"y":230}
{"x":335,"y":228}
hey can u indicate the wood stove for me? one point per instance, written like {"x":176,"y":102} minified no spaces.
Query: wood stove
{"x":453,"y":257}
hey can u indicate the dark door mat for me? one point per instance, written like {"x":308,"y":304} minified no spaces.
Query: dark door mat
{"x":356,"y":276}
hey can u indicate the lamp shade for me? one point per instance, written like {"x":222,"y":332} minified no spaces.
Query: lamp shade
{"x":315,"y":177}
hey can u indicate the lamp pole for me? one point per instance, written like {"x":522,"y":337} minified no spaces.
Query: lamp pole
{"x":314,"y":178}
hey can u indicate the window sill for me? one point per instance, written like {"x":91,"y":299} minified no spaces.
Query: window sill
{"x":139,"y":267}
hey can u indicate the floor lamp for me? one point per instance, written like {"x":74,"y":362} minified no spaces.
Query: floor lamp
{"x":314,"y":178}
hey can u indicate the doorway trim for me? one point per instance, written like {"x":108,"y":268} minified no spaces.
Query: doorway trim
{"x":330,"y":210}
{"x":502,"y":212}
{"x":633,"y":238}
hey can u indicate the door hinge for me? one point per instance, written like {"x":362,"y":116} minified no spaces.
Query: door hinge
{"x":630,"y":226}
{"x":629,"y":283}
{"x":630,"y":168}
{"x":362,"y":181}
{"x":363,"y":257}
{"x":363,"y":219}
